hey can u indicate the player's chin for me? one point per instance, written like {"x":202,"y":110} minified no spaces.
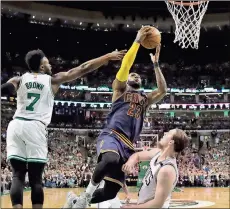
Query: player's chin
{"x":133,"y":84}
{"x":137,"y":85}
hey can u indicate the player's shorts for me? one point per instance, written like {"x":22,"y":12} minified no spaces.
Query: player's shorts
{"x":109,"y":142}
{"x":27,"y":141}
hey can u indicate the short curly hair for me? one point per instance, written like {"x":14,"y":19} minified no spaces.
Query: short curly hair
{"x":33,"y":59}
{"x":181,"y":140}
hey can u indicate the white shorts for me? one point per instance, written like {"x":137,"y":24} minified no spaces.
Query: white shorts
{"x":27,"y":141}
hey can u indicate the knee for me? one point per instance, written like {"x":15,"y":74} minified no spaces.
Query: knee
{"x":110,"y":196}
{"x":111,"y":189}
{"x":36,"y":186}
{"x":35,"y":182}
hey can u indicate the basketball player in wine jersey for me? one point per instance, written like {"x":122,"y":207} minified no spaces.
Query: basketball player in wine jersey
{"x":124,"y":125}
{"x":162,"y":175}
{"x":26,"y":133}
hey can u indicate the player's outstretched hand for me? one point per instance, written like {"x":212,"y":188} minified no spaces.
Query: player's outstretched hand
{"x":142,"y":33}
{"x":127,"y":200}
{"x":155,"y":58}
{"x":117,"y":55}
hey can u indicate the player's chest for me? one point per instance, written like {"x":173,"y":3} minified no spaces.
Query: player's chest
{"x":151,"y":175}
{"x":136,"y":98}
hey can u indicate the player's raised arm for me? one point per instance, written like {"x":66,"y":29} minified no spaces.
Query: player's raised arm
{"x":139,"y":157}
{"x":161,"y":90}
{"x":10,"y":86}
{"x":85,"y":68}
{"x":119,"y":84}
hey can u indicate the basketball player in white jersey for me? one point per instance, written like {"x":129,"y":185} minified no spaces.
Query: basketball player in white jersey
{"x":26,"y":134}
{"x":161,"y":177}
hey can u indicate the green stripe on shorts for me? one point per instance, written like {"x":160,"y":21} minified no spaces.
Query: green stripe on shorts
{"x":16,"y":157}
{"x":37,"y":160}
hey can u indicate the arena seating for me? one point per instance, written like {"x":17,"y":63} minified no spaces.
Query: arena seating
{"x":197,"y":101}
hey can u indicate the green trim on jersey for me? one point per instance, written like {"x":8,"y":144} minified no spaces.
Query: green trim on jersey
{"x":26,"y":119}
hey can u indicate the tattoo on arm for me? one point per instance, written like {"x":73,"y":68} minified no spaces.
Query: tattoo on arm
{"x":161,"y":90}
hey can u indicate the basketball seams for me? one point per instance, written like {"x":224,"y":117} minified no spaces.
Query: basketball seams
{"x":152,"y":40}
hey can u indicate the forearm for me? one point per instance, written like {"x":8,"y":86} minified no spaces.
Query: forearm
{"x":161,"y":83}
{"x":125,"y":189}
{"x":127,"y":62}
{"x":141,"y":156}
{"x":88,"y":67}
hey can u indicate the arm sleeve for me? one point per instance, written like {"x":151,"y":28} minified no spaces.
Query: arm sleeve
{"x":7,"y":89}
{"x":127,"y":63}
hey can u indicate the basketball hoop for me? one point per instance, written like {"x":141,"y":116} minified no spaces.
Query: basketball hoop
{"x":187,"y":17}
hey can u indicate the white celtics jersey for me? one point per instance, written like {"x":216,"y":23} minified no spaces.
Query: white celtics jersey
{"x":35,"y":98}
{"x":149,"y":183}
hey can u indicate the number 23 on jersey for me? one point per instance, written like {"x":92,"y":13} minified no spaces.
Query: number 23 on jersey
{"x":135,"y":110}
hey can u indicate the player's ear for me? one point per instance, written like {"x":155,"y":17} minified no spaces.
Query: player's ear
{"x":171,"y":142}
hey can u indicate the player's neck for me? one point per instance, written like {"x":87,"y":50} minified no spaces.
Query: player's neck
{"x":39,"y":72}
{"x":130,"y":88}
{"x":167,"y":153}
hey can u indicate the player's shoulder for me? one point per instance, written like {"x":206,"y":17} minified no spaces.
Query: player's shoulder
{"x":167,"y":171}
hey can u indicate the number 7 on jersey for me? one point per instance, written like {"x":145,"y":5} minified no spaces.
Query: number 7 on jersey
{"x":30,"y":107}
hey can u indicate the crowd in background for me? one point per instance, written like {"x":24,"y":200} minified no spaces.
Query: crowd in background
{"x":87,"y":96}
{"x":210,"y":168}
{"x":178,"y":75}
{"x":65,"y":116}
{"x":72,"y":157}
{"x":72,"y":160}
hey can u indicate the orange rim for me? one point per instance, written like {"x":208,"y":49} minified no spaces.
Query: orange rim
{"x":187,"y":3}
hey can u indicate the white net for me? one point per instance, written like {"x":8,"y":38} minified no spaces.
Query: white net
{"x":187,"y":17}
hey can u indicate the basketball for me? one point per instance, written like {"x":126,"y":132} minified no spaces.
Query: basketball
{"x":151,"y":41}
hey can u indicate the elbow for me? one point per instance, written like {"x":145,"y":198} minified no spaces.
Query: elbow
{"x":87,"y":66}
{"x":163,"y":91}
{"x":158,"y":204}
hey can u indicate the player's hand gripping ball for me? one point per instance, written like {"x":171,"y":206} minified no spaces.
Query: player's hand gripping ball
{"x":153,"y":39}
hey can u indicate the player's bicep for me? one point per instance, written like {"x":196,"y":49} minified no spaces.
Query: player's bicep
{"x":15,"y":81}
{"x":57,"y":80}
{"x":118,"y":89}
{"x":165,"y":181}
{"x":60,"y":78}
{"x":118,"y":85}
{"x":155,"y":96}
